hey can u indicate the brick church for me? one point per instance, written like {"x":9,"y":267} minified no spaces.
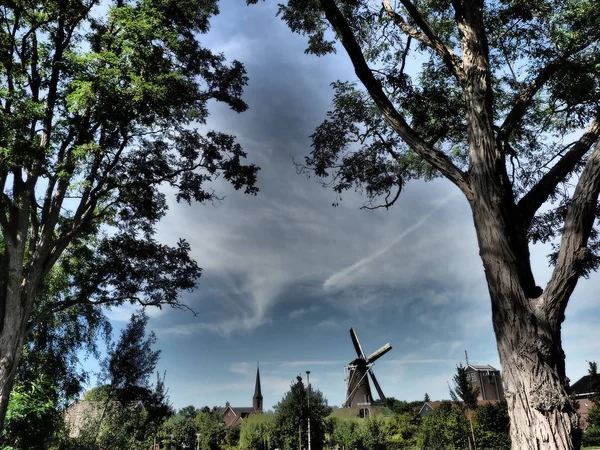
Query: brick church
{"x":234,"y":415}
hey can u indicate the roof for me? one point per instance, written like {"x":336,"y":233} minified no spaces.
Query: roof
{"x":436,"y":404}
{"x":242,"y":409}
{"x":582,"y":386}
{"x":81,"y":412}
{"x":482,"y":368}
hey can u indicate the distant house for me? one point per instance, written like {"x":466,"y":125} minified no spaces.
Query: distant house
{"x":581,"y":392}
{"x":487,"y":380}
{"x":83,"y":413}
{"x":429,"y":407}
{"x":234,"y":415}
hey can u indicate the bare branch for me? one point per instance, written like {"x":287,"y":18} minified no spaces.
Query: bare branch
{"x":573,"y":246}
{"x":434,"y":157}
{"x":427,"y":37}
{"x":539,"y":193}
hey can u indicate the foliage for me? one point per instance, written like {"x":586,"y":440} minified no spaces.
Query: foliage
{"x":178,"y":432}
{"x":292,"y":417}
{"x":444,"y":428}
{"x":594,"y":415}
{"x":232,"y":438}
{"x":492,"y":424}
{"x":211,"y":428}
{"x":257,"y":432}
{"x":127,"y":411}
{"x":464,"y":388}
{"x":399,"y":406}
{"x":591,"y":437}
{"x":188,"y":412}
{"x":130,"y":362}
{"x":33,"y":415}
{"x":594,"y":382}
{"x":426,"y":398}
{"x":401,"y":431}
{"x":345,"y":434}
{"x":100,"y":104}
{"x":49,"y":375}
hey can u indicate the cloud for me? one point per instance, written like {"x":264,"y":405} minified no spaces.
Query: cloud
{"x":349,"y":275}
{"x":297,"y":313}
{"x":329,"y":324}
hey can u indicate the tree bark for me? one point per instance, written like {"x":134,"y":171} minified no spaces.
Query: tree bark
{"x":12,"y":339}
{"x":535,"y":384}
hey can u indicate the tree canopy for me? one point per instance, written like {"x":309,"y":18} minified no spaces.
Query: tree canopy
{"x":292,"y":415}
{"x":101,"y":108}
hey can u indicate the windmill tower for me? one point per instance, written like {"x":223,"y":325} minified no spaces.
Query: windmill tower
{"x":358,"y":391}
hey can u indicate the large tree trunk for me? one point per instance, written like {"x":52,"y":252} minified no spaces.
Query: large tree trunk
{"x":535,"y":384}
{"x":12,"y":338}
{"x":528,"y":335}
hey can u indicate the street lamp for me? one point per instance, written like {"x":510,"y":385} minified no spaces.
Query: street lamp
{"x":197,"y":441}
{"x":308,"y":402}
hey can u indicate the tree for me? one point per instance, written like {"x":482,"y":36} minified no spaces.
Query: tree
{"x":188,"y":412}
{"x":211,"y":428}
{"x":374,"y":434}
{"x":444,"y":428}
{"x":492,"y":426}
{"x":464,"y":389}
{"x":49,"y":376}
{"x":401,"y":431}
{"x":179,"y":430}
{"x":594,"y":383}
{"x":257,"y":432}
{"x":130,"y":362}
{"x":467,"y":393}
{"x":426,"y":398}
{"x":292,"y":417}
{"x":98,"y":112}
{"x":503,"y":89}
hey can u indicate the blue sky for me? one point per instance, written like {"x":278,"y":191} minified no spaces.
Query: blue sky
{"x":286,"y":274}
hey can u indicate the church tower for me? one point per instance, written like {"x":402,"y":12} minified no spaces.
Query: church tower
{"x":257,"y":400}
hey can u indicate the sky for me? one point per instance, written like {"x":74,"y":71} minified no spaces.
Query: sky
{"x":286,"y":274}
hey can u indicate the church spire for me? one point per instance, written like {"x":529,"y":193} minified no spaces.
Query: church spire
{"x":257,"y":400}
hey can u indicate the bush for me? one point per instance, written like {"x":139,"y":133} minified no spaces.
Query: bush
{"x":591,"y":437}
{"x":446,"y":428}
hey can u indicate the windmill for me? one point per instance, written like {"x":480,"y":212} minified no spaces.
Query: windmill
{"x":358,"y":391}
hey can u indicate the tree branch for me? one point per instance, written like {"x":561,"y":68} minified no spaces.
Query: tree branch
{"x":525,"y":98}
{"x":64,"y":305}
{"x":434,"y":157}
{"x":573,"y":246}
{"x":538,"y":194}
{"x":427,"y":37}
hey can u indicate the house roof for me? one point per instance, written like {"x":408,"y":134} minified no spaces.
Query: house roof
{"x":483,"y":368}
{"x":79,"y":413}
{"x":436,"y":404}
{"x":582,"y":386}
{"x":242,"y":409}
{"x":82,"y":412}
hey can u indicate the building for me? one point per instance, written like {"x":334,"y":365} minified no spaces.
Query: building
{"x":234,"y":415}
{"x":487,"y":380}
{"x":428,"y":407}
{"x":581,"y":391}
